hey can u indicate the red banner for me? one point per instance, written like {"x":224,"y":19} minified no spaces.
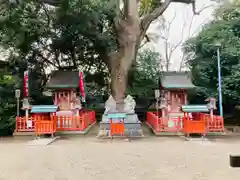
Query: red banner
{"x":81,"y":86}
{"x":25,"y":85}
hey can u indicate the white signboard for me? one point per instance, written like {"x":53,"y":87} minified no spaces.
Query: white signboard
{"x":29,"y":124}
{"x":17,"y":93}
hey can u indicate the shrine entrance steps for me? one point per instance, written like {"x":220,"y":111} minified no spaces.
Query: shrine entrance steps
{"x":42,"y":141}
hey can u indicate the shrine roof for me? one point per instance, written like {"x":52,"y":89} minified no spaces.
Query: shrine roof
{"x":63,"y":79}
{"x":44,"y":108}
{"x":176,"y":80}
{"x":195,"y":108}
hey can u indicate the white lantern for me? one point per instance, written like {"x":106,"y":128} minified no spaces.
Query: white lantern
{"x":17,"y":93}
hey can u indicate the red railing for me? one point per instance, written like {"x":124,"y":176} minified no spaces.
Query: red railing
{"x":193,"y":123}
{"x":22,"y":125}
{"x":45,"y":127}
{"x":214,"y":123}
{"x":116,"y":128}
{"x":170,"y":124}
{"x":62,"y":123}
{"x":164,"y":124}
{"x":153,"y":120}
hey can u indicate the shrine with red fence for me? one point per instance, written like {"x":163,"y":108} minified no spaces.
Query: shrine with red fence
{"x":65,"y":115}
{"x":175,"y":115}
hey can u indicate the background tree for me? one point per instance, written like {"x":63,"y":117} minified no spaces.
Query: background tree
{"x":144,"y":77}
{"x":170,"y":40}
{"x":202,"y":56}
{"x":129,"y":25}
{"x":7,"y":104}
{"x":46,"y":38}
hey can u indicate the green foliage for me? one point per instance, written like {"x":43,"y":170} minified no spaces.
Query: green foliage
{"x":202,"y":56}
{"x":144,"y":76}
{"x":147,"y":6}
{"x":7,"y":105}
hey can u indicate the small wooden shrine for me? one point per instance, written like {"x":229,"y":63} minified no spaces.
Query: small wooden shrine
{"x":174,"y":114}
{"x":65,"y":114}
{"x":174,"y":87}
{"x":64,"y":85}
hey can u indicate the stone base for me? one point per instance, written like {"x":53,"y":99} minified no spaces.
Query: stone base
{"x":132,"y":126}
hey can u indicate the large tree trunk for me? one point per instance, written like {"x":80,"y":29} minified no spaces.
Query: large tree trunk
{"x":128,"y":35}
{"x":119,"y":69}
{"x":119,"y":77}
{"x":120,"y":66}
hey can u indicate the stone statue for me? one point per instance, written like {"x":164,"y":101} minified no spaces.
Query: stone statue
{"x":129,"y":105}
{"x":110,"y":105}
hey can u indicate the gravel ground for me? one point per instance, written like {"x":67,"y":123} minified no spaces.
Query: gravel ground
{"x":89,"y":158}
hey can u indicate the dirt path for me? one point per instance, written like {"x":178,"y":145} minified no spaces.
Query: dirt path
{"x":89,"y":158}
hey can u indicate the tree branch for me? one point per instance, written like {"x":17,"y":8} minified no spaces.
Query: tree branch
{"x":146,"y":21}
{"x":51,"y":2}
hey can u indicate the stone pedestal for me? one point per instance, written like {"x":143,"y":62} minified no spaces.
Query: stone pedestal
{"x":132,"y":124}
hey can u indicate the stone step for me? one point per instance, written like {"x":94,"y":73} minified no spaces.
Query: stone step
{"x":41,"y":141}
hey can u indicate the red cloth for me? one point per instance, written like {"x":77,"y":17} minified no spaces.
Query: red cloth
{"x":81,"y":85}
{"x":25,"y":86}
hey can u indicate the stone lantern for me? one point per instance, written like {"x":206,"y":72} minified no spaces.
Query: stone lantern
{"x":26,"y":106}
{"x":163,"y":105}
{"x":211,"y":105}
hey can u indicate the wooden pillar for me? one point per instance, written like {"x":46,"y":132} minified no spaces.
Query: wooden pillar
{"x":55,"y":98}
{"x":68,"y":96}
{"x":163,"y":112}
{"x":168,"y":100}
{"x":211,"y":114}
{"x":185,"y":97}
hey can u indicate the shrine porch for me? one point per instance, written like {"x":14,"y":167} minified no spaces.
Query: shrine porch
{"x":39,"y":125}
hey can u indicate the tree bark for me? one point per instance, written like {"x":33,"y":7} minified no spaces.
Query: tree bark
{"x":119,"y":77}
{"x":119,"y":67}
{"x":127,"y":29}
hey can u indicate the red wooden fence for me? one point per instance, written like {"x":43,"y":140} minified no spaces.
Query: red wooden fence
{"x":45,"y":127}
{"x":116,"y":128}
{"x":22,"y":125}
{"x":164,"y":124}
{"x":61,"y":123}
{"x":194,"y":125}
{"x":198,"y":123}
{"x":214,"y":123}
